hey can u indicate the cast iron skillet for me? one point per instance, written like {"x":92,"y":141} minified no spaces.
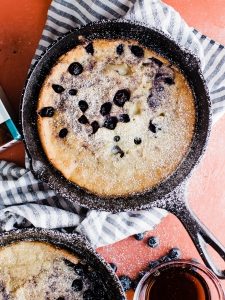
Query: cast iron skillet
{"x":170,"y":190}
{"x":75,"y":244}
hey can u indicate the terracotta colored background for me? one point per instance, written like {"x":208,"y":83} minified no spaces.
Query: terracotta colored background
{"x":21,"y":23}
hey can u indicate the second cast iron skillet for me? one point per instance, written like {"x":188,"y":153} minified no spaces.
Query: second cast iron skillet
{"x":76,"y":245}
{"x":169,"y":193}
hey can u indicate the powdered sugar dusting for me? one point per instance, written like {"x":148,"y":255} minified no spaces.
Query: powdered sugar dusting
{"x":41,"y":265}
{"x":88,"y":159}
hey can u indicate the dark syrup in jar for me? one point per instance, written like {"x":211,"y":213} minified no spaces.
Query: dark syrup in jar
{"x":177,"y":283}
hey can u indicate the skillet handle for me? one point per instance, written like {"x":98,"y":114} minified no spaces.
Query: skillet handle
{"x":200,"y":235}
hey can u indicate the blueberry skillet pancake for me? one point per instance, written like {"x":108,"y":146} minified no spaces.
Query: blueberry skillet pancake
{"x":40,"y":271}
{"x":115,"y":118}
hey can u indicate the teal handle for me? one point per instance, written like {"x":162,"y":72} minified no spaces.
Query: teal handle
{"x":13,"y":130}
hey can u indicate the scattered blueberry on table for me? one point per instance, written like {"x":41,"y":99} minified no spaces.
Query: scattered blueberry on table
{"x":153,"y":264}
{"x":164,"y":259}
{"x":174,"y":253}
{"x":153,"y":242}
{"x":126,"y":282}
{"x":139,"y":236}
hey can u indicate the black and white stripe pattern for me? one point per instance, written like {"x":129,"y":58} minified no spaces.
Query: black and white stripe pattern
{"x":24,"y":201}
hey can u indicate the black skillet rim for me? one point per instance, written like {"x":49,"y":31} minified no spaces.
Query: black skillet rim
{"x":75,"y":244}
{"x":44,"y":171}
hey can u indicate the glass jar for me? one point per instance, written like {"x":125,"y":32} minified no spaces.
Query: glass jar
{"x":177,"y":280}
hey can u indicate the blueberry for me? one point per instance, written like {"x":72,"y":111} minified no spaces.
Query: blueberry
{"x":152,"y":127}
{"x":120,"y":49}
{"x":125,"y":282}
{"x":153,"y":242}
{"x":137,"y":141}
{"x":121,"y":97}
{"x":77,"y":285}
{"x":153,"y":264}
{"x":105,"y":108}
{"x":139,"y":236}
{"x":83,"y":105}
{"x":164,"y":259}
{"x":118,"y":150}
{"x":89,"y":295}
{"x":47,"y":111}
{"x":79,"y":269}
{"x":110,"y":122}
{"x":116,"y":138}
{"x":95,"y":126}
{"x":169,"y":80}
{"x":73,"y":92}
{"x":58,"y":88}
{"x":63,"y":133}
{"x":156,"y":61}
{"x":153,"y":101}
{"x":113,"y":266}
{"x":174,"y":253}
{"x":90,"y":49}
{"x":137,"y":51}
{"x":75,"y":68}
{"x":124,"y":118}
{"x":83,"y":120}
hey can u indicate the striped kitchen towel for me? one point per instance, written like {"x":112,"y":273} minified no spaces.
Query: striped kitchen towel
{"x":24,"y":201}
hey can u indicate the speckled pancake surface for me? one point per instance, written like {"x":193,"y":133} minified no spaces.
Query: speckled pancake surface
{"x":115,"y":118}
{"x":40,"y":271}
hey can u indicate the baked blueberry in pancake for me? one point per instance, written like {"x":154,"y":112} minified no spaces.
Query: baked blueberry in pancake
{"x":114,"y":117}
